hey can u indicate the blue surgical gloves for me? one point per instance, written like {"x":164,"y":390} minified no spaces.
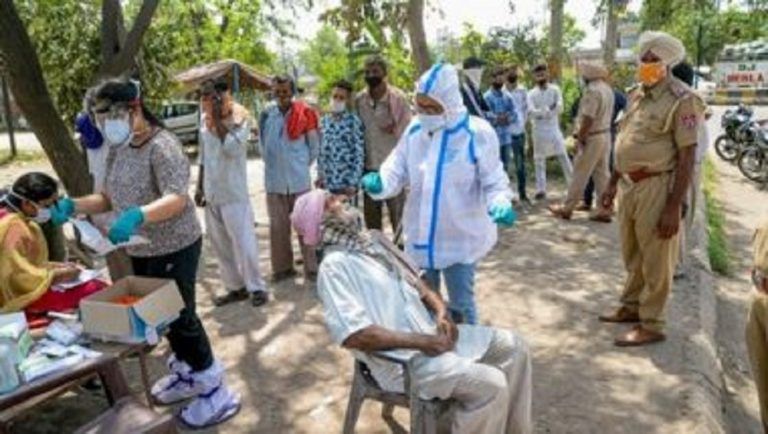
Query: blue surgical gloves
{"x":62,"y":210}
{"x":372,"y":184}
{"x":126,"y":225}
{"x":503,"y":214}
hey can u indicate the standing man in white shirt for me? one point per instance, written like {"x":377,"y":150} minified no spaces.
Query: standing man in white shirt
{"x":545,"y":103}
{"x":223,"y":190}
{"x":517,"y":129}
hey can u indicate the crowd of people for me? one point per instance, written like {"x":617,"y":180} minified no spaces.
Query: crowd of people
{"x":439,"y":162}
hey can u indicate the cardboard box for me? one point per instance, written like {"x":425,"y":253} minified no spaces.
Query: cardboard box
{"x":14,"y":331}
{"x":143,"y":321}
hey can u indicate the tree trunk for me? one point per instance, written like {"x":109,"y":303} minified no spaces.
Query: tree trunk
{"x":31,"y":94}
{"x":417,"y":36}
{"x":611,"y":28}
{"x":125,"y":58}
{"x":555,"y":38}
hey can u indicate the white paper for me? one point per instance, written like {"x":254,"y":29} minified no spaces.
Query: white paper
{"x":84,"y":276}
{"x":94,"y":240}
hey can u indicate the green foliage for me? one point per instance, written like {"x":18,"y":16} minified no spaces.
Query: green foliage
{"x":326,"y":57}
{"x":66,"y":35}
{"x":719,"y":253}
{"x":684,"y":19}
{"x":572,"y":34}
{"x":570,"y":87}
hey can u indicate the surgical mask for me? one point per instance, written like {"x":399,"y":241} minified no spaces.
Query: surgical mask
{"x":43,"y":215}
{"x":651,"y":73}
{"x":373,"y":80}
{"x":338,"y":106}
{"x":475,"y":74}
{"x":117,"y":132}
{"x":432,"y":123}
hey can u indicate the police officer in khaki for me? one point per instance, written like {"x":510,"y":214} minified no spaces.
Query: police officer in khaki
{"x":593,"y":139}
{"x":655,"y":152}
{"x":757,"y":323}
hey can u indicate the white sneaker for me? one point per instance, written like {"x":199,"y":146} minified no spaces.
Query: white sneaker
{"x":178,"y":386}
{"x":215,"y":404}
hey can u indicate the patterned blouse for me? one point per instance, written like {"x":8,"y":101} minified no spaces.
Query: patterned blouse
{"x":342,"y":151}
{"x":138,"y":176}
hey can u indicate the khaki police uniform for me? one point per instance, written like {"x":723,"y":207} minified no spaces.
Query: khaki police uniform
{"x":757,"y":327}
{"x":659,"y":122}
{"x":592,"y":160}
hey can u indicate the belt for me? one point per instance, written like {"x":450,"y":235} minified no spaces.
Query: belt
{"x":594,"y":133}
{"x":639,"y":175}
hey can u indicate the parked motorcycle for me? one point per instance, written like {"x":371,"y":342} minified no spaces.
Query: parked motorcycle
{"x":753,"y":158}
{"x":735,"y":123}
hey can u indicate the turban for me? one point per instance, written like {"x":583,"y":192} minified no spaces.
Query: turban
{"x":307,"y":216}
{"x":593,"y":70}
{"x":668,"y":48}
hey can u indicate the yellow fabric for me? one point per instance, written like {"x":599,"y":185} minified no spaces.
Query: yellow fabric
{"x":760,"y":256}
{"x":649,"y":260}
{"x":658,"y":122}
{"x":757,"y":347}
{"x":24,"y":275}
{"x":597,"y":103}
{"x":592,"y":161}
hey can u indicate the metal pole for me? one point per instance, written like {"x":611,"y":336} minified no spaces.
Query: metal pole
{"x":8,"y":115}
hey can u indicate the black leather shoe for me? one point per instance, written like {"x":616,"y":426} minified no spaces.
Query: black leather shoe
{"x":231,"y":297}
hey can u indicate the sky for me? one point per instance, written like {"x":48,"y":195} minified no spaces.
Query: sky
{"x":483,"y":14}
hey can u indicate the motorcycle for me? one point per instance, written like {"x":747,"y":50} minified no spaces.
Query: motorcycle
{"x":734,"y":123}
{"x":753,"y":158}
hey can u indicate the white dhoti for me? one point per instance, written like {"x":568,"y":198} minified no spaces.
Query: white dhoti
{"x":230,"y":228}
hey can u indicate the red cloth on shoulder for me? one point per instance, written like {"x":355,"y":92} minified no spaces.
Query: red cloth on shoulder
{"x":53,"y":301}
{"x":301,"y":120}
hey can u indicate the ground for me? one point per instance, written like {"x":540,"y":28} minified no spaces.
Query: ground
{"x":546,"y":280}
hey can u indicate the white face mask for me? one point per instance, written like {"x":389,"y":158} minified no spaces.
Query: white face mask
{"x":43,"y":215}
{"x":117,"y":131}
{"x":338,"y":106}
{"x":475,"y":74}
{"x":432,"y":123}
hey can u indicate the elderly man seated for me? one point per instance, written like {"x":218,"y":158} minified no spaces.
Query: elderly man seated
{"x":374,"y":300}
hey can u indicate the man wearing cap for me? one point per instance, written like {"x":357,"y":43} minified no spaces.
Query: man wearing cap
{"x":375,"y":302}
{"x":223,"y":190}
{"x":592,"y":140}
{"x":471,"y":78}
{"x":757,"y":323}
{"x":655,"y":152}
{"x":458,"y":190}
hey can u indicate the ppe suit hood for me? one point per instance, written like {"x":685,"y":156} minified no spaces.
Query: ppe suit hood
{"x":441,"y":83}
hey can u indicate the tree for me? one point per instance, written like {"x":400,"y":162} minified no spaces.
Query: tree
{"x":326,"y":57}
{"x":555,"y":37}
{"x":417,"y":36}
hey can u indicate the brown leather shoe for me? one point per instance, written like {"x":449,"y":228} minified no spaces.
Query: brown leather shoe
{"x":601,"y":218}
{"x":559,"y":211}
{"x":638,"y":336}
{"x":583,"y":207}
{"x":622,"y":315}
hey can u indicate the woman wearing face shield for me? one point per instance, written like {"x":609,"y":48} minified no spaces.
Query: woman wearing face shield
{"x":25,"y":273}
{"x":146,"y":185}
{"x":458,"y":190}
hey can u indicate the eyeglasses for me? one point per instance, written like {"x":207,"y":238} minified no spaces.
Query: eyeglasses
{"x":114,"y":111}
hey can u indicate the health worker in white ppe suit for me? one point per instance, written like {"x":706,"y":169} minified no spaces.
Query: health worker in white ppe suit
{"x":458,"y":190}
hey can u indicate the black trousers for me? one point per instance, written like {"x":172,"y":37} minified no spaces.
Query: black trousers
{"x":186,"y":335}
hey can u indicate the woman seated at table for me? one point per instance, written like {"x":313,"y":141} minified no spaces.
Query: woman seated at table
{"x":25,"y":272}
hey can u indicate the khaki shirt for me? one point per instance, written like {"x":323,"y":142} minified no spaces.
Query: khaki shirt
{"x":382,"y":127}
{"x":658,"y":122}
{"x":597,"y":103}
{"x":761,"y":248}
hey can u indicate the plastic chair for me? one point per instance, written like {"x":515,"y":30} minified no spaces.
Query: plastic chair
{"x":425,"y":414}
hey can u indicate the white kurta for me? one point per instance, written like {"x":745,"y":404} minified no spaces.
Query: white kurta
{"x":544,"y":108}
{"x":454,"y":176}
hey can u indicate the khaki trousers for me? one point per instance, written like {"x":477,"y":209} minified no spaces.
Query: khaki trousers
{"x":279,"y":208}
{"x":649,"y":260}
{"x":757,"y":346}
{"x":373,"y":211}
{"x":591,"y":161}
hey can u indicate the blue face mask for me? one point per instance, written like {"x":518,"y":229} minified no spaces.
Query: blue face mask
{"x":117,"y":132}
{"x":43,"y":213}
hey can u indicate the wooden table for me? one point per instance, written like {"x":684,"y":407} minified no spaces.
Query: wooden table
{"x":106,"y":367}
